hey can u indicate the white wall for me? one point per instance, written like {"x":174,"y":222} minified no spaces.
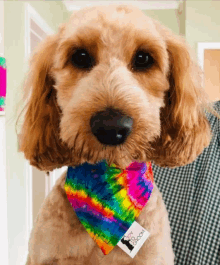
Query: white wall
{"x":3,"y":181}
{"x":1,"y":27}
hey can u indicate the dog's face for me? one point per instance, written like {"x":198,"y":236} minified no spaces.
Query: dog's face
{"x":113,"y":69}
{"x":114,"y":84}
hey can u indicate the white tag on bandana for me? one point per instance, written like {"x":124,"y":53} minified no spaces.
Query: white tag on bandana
{"x":133,"y":239}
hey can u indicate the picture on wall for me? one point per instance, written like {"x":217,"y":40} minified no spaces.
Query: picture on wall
{"x":2,"y":85}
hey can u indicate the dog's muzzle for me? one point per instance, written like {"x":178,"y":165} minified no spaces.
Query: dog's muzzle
{"x":111,"y":127}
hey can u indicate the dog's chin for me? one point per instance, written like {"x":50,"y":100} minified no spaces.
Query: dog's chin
{"x":122,"y":164}
{"x":119,"y":156}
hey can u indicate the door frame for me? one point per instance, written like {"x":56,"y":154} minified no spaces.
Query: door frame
{"x":3,"y":180}
{"x":202,"y":46}
{"x":31,"y":13}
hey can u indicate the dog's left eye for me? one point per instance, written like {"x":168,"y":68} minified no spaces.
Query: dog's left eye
{"x":142,"y":61}
{"x":82,"y":59}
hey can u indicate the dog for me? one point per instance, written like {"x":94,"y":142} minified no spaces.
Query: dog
{"x":110,"y":60}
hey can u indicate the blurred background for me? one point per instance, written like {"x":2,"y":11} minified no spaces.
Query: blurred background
{"x":23,"y":24}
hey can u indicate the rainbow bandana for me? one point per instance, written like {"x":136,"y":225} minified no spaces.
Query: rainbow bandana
{"x":107,"y":199}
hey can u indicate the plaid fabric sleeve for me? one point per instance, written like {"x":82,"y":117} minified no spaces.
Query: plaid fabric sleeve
{"x":192,"y":197}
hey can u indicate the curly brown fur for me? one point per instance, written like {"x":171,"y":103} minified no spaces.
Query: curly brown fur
{"x":166,"y":101}
{"x":59,"y":238}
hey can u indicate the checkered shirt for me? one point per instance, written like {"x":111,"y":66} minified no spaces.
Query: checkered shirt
{"x":192,"y":197}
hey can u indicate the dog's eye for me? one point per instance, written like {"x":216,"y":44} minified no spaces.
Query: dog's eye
{"x":142,"y":61}
{"x":82,"y":59}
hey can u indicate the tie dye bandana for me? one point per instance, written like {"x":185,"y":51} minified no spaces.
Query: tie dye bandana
{"x":107,"y":200}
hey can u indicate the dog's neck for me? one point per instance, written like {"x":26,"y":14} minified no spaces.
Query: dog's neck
{"x":110,"y":165}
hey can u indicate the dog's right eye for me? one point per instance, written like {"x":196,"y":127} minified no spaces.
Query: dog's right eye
{"x":82,"y":59}
{"x":142,"y":61}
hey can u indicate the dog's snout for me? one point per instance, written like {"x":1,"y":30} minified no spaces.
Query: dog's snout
{"x":111,"y":127}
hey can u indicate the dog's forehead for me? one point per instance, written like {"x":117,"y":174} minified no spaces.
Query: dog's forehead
{"x":119,"y":17}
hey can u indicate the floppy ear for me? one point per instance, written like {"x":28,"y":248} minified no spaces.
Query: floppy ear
{"x":185,"y":131}
{"x":40,"y":140}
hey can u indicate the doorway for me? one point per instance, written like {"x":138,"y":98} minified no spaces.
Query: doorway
{"x":209,"y":58}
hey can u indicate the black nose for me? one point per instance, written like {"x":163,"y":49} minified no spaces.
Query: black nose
{"x":111,"y":127}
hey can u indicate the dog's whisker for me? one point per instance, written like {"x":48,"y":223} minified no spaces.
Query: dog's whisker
{"x":50,"y":156}
{"x":39,"y":158}
{"x":71,"y":155}
{"x":88,"y":154}
{"x":96,"y":159}
{"x":74,"y":145}
{"x":81,"y":149}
